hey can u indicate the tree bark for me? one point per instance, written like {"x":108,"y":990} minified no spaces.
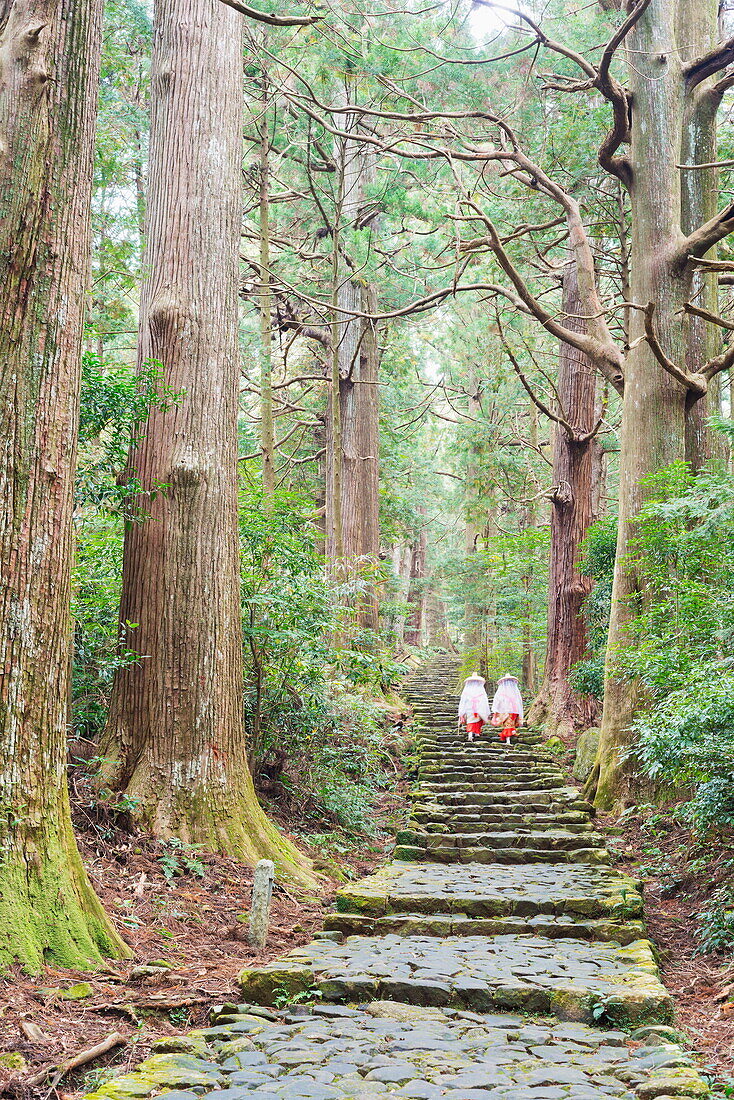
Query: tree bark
{"x":49,"y":68}
{"x":352,"y":482}
{"x":654,"y":408}
{"x":699,"y":32}
{"x":415,"y":625}
{"x":175,"y":737}
{"x":558,"y":706}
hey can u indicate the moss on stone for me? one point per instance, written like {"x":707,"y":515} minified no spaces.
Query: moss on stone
{"x":268,"y":985}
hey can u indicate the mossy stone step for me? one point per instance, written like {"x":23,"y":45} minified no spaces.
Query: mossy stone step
{"x":558,"y":977}
{"x":436,"y":821}
{"x":566,"y":796}
{"x":507,"y":787}
{"x":595,"y":856}
{"x":515,"y":838}
{"x":388,"y":1049}
{"x":454,"y":924}
{"x":494,"y":891}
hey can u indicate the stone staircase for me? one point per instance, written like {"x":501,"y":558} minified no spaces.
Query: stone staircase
{"x":497,"y":956}
{"x":484,"y":802}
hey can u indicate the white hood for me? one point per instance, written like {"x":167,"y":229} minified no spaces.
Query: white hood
{"x":474,"y":699}
{"x":507,"y":698}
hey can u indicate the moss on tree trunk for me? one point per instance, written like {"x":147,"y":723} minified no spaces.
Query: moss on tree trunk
{"x":49,"y":54}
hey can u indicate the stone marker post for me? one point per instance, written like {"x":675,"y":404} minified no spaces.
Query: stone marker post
{"x":262,"y":893}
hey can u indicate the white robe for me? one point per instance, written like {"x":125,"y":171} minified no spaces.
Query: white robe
{"x":474,"y":700}
{"x":507,"y":698}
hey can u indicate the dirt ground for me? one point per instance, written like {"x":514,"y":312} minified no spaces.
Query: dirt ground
{"x":680,"y":873}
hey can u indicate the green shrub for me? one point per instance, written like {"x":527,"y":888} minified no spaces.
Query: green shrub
{"x":587,"y":677}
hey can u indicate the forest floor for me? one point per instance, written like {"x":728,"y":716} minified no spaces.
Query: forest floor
{"x":194,"y":923}
{"x":681,"y":872}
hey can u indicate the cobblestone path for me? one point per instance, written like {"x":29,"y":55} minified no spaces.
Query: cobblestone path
{"x":497,"y":957}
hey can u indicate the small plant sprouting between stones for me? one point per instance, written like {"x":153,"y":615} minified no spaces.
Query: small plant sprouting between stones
{"x":284,"y":998}
{"x":626,"y":908}
{"x":179,"y":858}
{"x":602,"y":1011}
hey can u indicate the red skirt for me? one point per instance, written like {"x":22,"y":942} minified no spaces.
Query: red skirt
{"x":474,"y":727}
{"x":510,"y":727}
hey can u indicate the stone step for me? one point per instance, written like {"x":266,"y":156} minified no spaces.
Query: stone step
{"x":499,"y":760}
{"x":465,"y":823}
{"x":557,"y":977}
{"x":502,"y":911}
{"x":507,"y":786}
{"x":500,"y":855}
{"x":550,"y":840}
{"x":494,"y":891}
{"x":478,"y":766}
{"x":387,"y":1049}
{"x":453,"y":924}
{"x":445,"y":735}
{"x":567,"y":797}
{"x":474,"y":776}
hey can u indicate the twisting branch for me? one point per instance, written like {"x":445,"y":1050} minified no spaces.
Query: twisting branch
{"x":612,"y":90}
{"x":706,"y":316}
{"x":719,"y":363}
{"x":573,"y":433}
{"x":272,"y":20}
{"x":711,"y":63}
{"x":695,"y":383}
{"x":597,"y":343}
{"x":707,"y":235}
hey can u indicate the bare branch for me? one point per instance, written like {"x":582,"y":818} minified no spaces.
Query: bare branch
{"x":573,"y":433}
{"x":695,"y":383}
{"x":711,"y":63}
{"x":707,"y":235}
{"x":542,"y":37}
{"x":706,"y":316}
{"x":611,"y":89}
{"x":713,"y":265}
{"x":713,"y":164}
{"x":721,"y":362}
{"x":273,"y":20}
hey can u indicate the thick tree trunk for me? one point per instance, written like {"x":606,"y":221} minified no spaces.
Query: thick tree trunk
{"x":267,"y":426}
{"x":352,"y":481}
{"x":415,"y":626}
{"x":653,"y":420}
{"x":175,"y":737}
{"x":698,"y":34}
{"x":558,"y":706}
{"x":529,"y":523}
{"x":49,"y":65}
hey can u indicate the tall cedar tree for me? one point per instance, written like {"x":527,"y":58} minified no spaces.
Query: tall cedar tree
{"x":352,"y":481}
{"x":175,"y":737}
{"x":572,"y":512}
{"x":673,"y":91}
{"x":49,"y":67}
